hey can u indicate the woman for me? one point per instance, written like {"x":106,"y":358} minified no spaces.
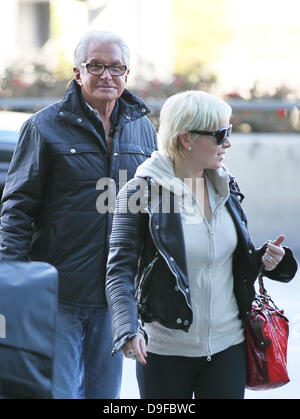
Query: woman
{"x":182,"y":266}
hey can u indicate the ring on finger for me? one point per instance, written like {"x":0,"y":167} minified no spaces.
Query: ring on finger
{"x":269,"y":258}
{"x":131,"y":354}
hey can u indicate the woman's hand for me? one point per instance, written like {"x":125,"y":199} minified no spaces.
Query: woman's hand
{"x":135,"y":348}
{"x":274,"y":253}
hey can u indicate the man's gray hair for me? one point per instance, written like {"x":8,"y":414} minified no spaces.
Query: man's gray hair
{"x":101,"y":36}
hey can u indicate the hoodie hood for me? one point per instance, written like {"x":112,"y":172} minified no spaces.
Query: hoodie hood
{"x":160,"y":169}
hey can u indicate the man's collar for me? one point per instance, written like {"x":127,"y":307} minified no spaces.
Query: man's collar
{"x":114,"y":117}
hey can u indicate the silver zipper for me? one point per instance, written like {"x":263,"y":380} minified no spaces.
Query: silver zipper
{"x":211,"y":227}
{"x":145,"y":275}
{"x":164,"y":257}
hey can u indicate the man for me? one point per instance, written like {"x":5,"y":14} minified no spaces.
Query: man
{"x":49,"y":210}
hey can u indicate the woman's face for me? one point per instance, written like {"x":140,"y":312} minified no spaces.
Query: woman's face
{"x":206,"y":153}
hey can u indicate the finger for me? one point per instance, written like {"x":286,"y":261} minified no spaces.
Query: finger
{"x":129,"y":347}
{"x":143,"y":347}
{"x":126,"y":351}
{"x":135,"y":346}
{"x":275,"y":251}
{"x":280,"y":239}
{"x":139,"y":351}
{"x":275,"y":259}
{"x":271,"y":264}
{"x":140,"y":357}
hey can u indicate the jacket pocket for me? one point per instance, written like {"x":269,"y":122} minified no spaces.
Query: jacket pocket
{"x":128,"y":148}
{"x":74,"y":162}
{"x":131,"y":156}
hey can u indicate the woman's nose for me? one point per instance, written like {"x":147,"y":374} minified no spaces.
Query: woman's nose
{"x":227,"y":143}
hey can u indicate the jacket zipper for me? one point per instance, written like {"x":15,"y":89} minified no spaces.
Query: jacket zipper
{"x":145,"y":275}
{"x":211,"y":226}
{"x":164,"y":257}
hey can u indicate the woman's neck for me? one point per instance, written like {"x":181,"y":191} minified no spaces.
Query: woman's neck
{"x":183,"y":170}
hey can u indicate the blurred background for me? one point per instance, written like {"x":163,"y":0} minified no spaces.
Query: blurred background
{"x":246,"y":52}
{"x":238,"y":49}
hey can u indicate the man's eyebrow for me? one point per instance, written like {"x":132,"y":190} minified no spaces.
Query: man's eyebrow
{"x":95,"y":61}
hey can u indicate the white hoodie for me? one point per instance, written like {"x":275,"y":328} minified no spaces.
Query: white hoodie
{"x":209,"y":249}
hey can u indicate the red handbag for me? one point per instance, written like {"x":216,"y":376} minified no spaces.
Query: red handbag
{"x":266,"y":332}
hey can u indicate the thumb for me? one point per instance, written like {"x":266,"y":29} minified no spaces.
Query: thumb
{"x":279,"y":240}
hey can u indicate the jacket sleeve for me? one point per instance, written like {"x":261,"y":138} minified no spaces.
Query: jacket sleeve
{"x":22,"y":194}
{"x":125,"y":249}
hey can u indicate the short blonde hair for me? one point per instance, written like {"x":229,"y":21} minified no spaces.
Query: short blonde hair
{"x":186,"y":111}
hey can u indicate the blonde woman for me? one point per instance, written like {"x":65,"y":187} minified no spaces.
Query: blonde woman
{"x":182,"y":266}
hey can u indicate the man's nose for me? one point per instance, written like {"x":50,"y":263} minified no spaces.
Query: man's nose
{"x":106,"y":74}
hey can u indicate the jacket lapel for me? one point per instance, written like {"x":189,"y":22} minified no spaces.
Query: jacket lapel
{"x":168,"y":235}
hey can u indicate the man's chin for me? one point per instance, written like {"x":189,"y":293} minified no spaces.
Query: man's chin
{"x":108,"y":96}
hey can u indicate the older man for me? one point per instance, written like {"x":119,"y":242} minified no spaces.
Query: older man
{"x":49,"y":210}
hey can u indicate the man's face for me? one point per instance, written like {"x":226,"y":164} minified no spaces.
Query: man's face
{"x":101,"y":89}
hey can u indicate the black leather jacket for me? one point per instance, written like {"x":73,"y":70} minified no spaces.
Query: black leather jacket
{"x":147,"y":272}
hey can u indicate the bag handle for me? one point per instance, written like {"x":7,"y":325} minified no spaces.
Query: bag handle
{"x":262,"y":290}
{"x":265,"y":297}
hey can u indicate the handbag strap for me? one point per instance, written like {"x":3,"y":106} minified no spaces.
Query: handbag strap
{"x":262,"y":289}
{"x":264,"y":295}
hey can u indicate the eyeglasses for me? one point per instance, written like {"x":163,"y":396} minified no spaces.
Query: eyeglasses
{"x":221,"y":135}
{"x":98,"y":69}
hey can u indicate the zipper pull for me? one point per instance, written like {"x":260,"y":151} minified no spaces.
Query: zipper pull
{"x":208,"y":359}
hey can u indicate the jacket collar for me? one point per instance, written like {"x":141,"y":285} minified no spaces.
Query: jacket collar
{"x":235,"y":189}
{"x":73,"y":106}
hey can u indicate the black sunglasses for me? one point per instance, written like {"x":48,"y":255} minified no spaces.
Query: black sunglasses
{"x":221,"y":135}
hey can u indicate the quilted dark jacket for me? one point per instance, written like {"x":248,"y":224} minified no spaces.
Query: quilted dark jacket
{"x":147,"y":272}
{"x":49,"y":206}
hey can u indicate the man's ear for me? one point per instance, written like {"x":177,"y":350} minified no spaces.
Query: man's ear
{"x":77,"y":75}
{"x":126,"y":75}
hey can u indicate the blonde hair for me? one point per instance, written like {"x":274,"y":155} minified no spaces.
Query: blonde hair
{"x":186,"y":111}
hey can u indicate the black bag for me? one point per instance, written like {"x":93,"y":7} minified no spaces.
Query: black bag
{"x":28,"y":309}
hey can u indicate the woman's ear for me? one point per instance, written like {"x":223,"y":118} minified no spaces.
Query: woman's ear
{"x":185,"y":140}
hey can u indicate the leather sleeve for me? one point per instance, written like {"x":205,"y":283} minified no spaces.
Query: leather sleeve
{"x":126,"y":242}
{"x":22,"y":194}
